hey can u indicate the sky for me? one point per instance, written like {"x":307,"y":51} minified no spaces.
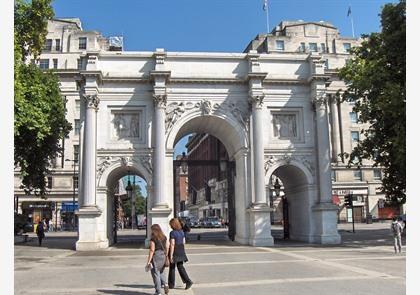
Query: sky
{"x":211,"y":25}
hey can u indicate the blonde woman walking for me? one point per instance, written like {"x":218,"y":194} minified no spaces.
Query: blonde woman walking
{"x":159,"y":247}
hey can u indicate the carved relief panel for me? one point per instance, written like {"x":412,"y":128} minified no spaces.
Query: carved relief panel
{"x":127,"y":125}
{"x":287,"y":125}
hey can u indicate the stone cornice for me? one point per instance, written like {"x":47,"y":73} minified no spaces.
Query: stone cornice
{"x":256,"y":75}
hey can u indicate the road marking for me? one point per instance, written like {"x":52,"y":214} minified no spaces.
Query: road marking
{"x":355,"y":269}
{"x":277,"y":281}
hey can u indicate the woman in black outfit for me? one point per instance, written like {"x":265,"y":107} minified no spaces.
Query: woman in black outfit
{"x":177,"y":255}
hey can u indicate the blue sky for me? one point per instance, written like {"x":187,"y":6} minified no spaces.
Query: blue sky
{"x":210,"y":25}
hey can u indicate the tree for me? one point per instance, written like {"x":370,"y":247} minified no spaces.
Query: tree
{"x":139,"y":202}
{"x":375,"y":80}
{"x":39,"y":109}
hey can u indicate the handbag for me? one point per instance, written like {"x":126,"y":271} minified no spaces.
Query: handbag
{"x":166,"y":255}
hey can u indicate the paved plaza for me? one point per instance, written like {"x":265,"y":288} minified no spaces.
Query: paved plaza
{"x":364,"y":263}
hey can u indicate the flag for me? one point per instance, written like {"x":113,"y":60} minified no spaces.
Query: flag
{"x":349,"y":11}
{"x":265,"y":5}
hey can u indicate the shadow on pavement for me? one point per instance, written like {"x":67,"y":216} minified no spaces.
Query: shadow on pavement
{"x":125,"y":292}
{"x":122,"y":292}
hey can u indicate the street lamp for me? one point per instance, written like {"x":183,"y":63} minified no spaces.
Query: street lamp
{"x":184,"y":163}
{"x":75,"y":161}
{"x":129,"y":189}
{"x":285,"y":204}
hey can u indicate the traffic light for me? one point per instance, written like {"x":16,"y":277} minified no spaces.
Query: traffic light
{"x":348,"y":200}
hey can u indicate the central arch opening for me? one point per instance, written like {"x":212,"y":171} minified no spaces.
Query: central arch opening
{"x":205,"y":177}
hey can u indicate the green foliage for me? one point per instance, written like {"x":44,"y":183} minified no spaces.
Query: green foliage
{"x":31,"y":19}
{"x":139,"y":202}
{"x":375,"y":80}
{"x":39,"y":108}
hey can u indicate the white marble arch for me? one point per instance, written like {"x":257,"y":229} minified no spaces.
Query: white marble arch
{"x":106,"y":184}
{"x":301,"y":191}
{"x":235,"y":139}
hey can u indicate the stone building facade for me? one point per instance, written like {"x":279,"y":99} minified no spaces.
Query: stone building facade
{"x":273,"y":110}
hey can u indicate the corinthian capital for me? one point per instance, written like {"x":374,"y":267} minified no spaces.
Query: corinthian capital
{"x":320,"y":99}
{"x":92,"y":100}
{"x":160,"y":100}
{"x":256,"y":100}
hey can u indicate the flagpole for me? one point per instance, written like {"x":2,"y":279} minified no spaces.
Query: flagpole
{"x":352,"y":25}
{"x":268,"y":23}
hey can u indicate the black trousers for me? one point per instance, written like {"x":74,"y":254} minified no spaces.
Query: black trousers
{"x":39,"y":240}
{"x":182,"y":273}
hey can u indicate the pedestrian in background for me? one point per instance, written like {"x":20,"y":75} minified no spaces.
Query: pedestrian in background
{"x":396,"y":229}
{"x":185,"y":227}
{"x":40,"y":232}
{"x":177,"y":255}
{"x":158,"y":253}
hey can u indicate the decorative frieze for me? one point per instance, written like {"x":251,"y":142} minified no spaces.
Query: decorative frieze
{"x":287,"y":159}
{"x":105,"y":161}
{"x":175,"y":111}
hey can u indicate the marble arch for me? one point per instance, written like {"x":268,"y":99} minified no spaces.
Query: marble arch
{"x":241,"y":98}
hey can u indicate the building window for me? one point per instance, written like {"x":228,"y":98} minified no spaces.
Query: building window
{"x":49,"y":182}
{"x":377,"y":174}
{"x":77,"y":106}
{"x":313,"y":47}
{"x":48,"y":45}
{"x":79,"y":63}
{"x":302,"y":47}
{"x":77,"y":127}
{"x":82,"y":43}
{"x":76,"y":181}
{"x":280,"y":45}
{"x":354,"y":136}
{"x":357,"y":175}
{"x":57,"y":44}
{"x":347,"y":47}
{"x":323,"y":48}
{"x":326,"y":65}
{"x":76,"y":149}
{"x":333,"y":175}
{"x":353,"y":117}
{"x":44,"y":64}
{"x":55,"y":63}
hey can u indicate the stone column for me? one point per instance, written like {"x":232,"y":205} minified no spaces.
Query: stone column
{"x":89,"y":152}
{"x":159,"y":208}
{"x":258,"y":150}
{"x":159,"y":152}
{"x":335,"y":130}
{"x":325,"y":212}
{"x":259,"y":225}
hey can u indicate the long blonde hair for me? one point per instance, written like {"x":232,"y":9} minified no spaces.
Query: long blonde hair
{"x":175,"y":224}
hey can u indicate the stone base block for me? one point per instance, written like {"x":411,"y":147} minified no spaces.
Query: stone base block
{"x":160,"y":216}
{"x":325,"y":221}
{"x":88,"y":230}
{"x":260,"y":227}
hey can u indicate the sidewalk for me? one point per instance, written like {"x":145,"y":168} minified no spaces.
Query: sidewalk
{"x":359,"y":266}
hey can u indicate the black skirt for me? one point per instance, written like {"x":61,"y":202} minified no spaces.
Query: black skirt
{"x":179,"y":254}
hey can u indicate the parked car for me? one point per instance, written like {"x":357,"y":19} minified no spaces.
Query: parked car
{"x":194,"y":222}
{"x":214,"y":222}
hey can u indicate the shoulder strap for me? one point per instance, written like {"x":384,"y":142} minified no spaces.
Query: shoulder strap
{"x":164,"y":248}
